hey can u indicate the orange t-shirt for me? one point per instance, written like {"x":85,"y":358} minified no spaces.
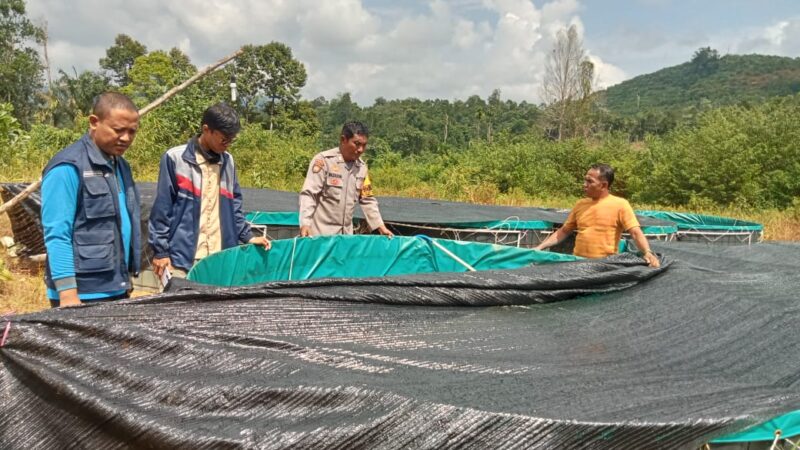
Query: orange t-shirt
{"x":600,"y":224}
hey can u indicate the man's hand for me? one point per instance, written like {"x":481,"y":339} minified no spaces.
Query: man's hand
{"x":652,"y":259}
{"x":643,"y":246}
{"x":385,"y":231}
{"x":159,"y":264}
{"x":68,"y":298}
{"x":305,"y":231}
{"x":262,"y":241}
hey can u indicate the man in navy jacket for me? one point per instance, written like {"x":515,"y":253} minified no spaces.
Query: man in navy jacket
{"x":90,"y":209}
{"x":198,"y":205}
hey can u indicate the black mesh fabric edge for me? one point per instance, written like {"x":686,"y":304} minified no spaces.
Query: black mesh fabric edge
{"x":590,"y":354}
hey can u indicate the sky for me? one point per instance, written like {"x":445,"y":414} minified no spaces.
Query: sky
{"x":447,"y":49}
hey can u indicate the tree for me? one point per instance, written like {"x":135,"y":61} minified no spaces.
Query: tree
{"x":155,"y":73}
{"x":705,"y":61}
{"x":9,"y":125}
{"x":20,"y":67}
{"x":74,"y":96}
{"x":120,"y":58}
{"x":178,"y":118}
{"x":568,"y":78}
{"x":297,"y":119}
{"x":268,"y":77}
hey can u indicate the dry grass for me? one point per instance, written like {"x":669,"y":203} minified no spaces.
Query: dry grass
{"x":25,"y":292}
{"x":778,"y":225}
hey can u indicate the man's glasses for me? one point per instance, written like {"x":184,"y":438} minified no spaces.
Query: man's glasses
{"x":225,"y":139}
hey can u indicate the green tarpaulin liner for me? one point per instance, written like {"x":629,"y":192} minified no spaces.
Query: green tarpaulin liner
{"x":359,"y":256}
{"x":274,"y":218}
{"x":788,"y":424}
{"x":544,"y":225}
{"x":658,"y":229}
{"x":293,"y":219}
{"x":686,"y":221}
{"x":504,"y":225}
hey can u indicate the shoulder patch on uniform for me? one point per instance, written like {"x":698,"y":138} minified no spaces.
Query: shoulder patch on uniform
{"x":366,"y":188}
{"x":318,"y":165}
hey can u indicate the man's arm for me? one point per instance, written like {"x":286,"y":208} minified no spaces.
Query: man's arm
{"x":369,"y":205}
{"x":644,"y":246}
{"x":59,"y":203}
{"x":629,"y":223}
{"x":555,"y":238}
{"x":161,"y":215}
{"x":309,"y":195}
{"x":562,"y":233}
{"x":245,"y":232}
{"x":242,"y":227}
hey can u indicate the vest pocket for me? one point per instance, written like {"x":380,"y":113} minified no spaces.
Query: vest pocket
{"x":94,"y":250}
{"x":94,"y":258}
{"x":97,"y":200}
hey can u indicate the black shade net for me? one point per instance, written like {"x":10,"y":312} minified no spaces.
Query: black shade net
{"x":25,"y":217}
{"x":408,"y":210}
{"x":588,"y":354}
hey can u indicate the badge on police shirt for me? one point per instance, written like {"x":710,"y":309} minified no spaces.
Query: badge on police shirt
{"x":366,"y":188}
{"x":318,"y":165}
{"x":334,"y":168}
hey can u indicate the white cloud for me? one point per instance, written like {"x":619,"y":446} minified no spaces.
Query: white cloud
{"x":606,"y":74}
{"x":64,"y":55}
{"x":336,"y":23}
{"x":780,"y":38}
{"x":442,"y":49}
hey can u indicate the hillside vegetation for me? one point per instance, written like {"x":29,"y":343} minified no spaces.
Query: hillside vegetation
{"x":706,"y":81}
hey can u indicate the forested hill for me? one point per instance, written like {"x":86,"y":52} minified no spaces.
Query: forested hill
{"x":708,"y":80}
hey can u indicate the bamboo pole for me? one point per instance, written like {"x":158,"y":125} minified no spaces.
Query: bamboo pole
{"x":188,"y":82}
{"x":154,"y":104}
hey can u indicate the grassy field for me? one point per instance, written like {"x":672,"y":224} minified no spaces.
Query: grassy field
{"x":25,"y":291}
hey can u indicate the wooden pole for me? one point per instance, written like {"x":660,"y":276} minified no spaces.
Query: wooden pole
{"x":155,"y":103}
{"x":188,"y":82}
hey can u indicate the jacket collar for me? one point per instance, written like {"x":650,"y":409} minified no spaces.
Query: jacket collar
{"x":96,"y":156}
{"x":190,"y":153}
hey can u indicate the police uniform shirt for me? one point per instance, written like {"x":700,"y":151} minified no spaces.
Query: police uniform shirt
{"x":331,"y":191}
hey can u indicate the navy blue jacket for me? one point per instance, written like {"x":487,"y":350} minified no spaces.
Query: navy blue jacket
{"x":175,"y":217}
{"x":97,"y":243}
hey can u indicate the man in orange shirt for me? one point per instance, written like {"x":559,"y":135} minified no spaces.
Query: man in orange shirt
{"x":600,"y":219}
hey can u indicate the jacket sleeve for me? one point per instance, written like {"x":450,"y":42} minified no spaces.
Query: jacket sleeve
{"x":242,"y":227}
{"x":312,"y":189}
{"x":59,"y":204}
{"x":369,"y":205}
{"x":161,"y":214}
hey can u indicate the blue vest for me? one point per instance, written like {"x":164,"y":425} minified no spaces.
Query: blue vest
{"x":97,"y":244}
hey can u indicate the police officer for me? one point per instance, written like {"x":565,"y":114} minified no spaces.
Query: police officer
{"x":336,"y":180}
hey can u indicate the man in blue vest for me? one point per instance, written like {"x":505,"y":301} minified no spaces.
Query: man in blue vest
{"x":90,"y":210}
